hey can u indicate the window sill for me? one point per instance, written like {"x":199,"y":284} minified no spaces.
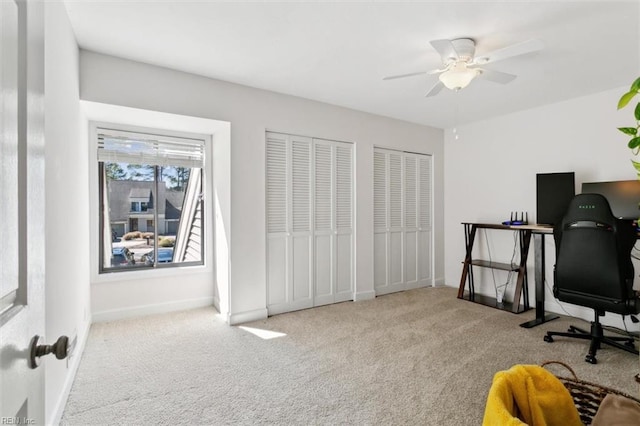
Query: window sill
{"x":147,"y":274}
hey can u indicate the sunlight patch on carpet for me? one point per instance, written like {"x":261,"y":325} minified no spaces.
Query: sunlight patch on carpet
{"x":263,"y":334}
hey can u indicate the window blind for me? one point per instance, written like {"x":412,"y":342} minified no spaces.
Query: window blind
{"x":141,"y":148}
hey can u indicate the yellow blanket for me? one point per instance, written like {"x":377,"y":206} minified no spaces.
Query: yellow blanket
{"x":529,"y":395}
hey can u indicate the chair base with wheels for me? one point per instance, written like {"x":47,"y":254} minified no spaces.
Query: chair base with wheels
{"x":597,"y":337}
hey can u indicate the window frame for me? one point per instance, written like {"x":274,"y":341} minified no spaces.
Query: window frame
{"x":101,"y":274}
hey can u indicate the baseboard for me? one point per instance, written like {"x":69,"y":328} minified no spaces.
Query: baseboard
{"x":242,"y":317}
{"x":439,"y":282}
{"x":74,"y":363}
{"x":143,"y":310}
{"x":364,"y":295}
{"x":419,"y":284}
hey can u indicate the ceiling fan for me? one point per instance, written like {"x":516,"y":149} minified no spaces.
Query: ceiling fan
{"x":461,"y":65}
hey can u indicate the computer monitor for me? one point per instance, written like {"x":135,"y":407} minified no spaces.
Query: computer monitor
{"x":623,"y":196}
{"x":554,"y":192}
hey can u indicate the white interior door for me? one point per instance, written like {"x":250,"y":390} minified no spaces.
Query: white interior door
{"x":402,"y":221}
{"x":323,"y":224}
{"x":389,"y":245}
{"x":343,"y":229}
{"x":301,"y":238}
{"x":380,"y":220}
{"x":277,"y":220}
{"x":396,"y":232}
{"x":410,"y":228}
{"x":22,"y":213}
{"x":425,"y":231}
{"x":309,"y":222}
{"x":333,"y":212}
{"x":289,"y":236}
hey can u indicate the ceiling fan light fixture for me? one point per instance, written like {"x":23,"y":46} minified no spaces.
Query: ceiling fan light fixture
{"x":458,"y":76}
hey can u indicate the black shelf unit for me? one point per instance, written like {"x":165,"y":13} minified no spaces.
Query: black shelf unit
{"x":495,"y":265}
{"x":521,"y":296}
{"x":493,"y":303}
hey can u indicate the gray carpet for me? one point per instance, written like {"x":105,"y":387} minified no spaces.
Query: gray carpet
{"x":416,"y":357}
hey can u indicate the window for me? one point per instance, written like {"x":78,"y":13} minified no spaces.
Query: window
{"x":151,"y":200}
{"x":138,"y":206}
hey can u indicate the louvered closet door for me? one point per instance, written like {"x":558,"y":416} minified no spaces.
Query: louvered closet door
{"x":323,"y":231}
{"x":388,"y":221}
{"x":396,"y":244}
{"x":410,"y":221}
{"x":289,"y":234}
{"x":417,"y":220}
{"x":343,"y":229}
{"x":380,"y":220}
{"x":402,"y":225}
{"x":333,"y":222}
{"x":301,"y":235}
{"x":277,"y":223}
{"x":425,"y":231}
{"x":309,"y":222}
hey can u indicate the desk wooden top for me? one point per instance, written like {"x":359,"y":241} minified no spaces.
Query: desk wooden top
{"x":535,"y":228}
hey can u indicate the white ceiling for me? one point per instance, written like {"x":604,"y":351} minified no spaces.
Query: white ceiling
{"x":338,"y":52}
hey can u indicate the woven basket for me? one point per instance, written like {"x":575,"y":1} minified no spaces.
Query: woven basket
{"x":586,"y":396}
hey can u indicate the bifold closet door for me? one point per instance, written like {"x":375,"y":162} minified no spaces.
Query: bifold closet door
{"x":425,"y":226}
{"x":333,"y":233}
{"x":309,"y":192}
{"x":402,"y":221}
{"x":410,"y":229}
{"x":289,"y":216}
{"x":417,"y":226}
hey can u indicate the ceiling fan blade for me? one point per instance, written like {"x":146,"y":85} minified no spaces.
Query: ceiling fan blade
{"x":393,"y":77}
{"x":445,"y":49}
{"x":438,"y":71}
{"x":496,"y":76}
{"x":517,"y":49}
{"x":435,"y":89}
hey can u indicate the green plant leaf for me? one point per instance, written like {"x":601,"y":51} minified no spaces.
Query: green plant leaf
{"x":631,"y":131}
{"x":626,"y":98}
{"x":636,"y":165}
{"x":637,"y":111}
{"x":635,"y":85}
{"x":634,"y":143}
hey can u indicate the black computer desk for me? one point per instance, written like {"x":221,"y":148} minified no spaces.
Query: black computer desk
{"x":539,"y":232}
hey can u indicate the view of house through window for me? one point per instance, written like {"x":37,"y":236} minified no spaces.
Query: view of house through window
{"x":151,"y":210}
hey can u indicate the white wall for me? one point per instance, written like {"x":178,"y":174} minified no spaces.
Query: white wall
{"x":222,"y":216}
{"x":491,"y":170}
{"x":65,"y":204}
{"x":251,"y":112}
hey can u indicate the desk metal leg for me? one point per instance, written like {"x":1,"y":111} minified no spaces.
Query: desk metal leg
{"x":522,"y":291}
{"x":467,"y":269}
{"x":539,"y":260}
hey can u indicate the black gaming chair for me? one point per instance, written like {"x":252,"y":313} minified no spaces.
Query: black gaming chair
{"x":594,"y":269}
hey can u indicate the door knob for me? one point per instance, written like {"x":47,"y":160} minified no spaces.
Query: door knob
{"x":60,"y":348}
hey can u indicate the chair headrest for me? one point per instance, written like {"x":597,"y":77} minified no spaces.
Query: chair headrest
{"x":590,"y":207}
